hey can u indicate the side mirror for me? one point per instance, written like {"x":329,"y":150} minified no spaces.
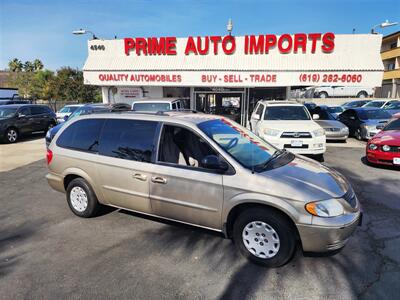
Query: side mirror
{"x":257,"y":116}
{"x":315,"y":117}
{"x":214,"y":163}
{"x":65,"y":118}
{"x":21,"y":115}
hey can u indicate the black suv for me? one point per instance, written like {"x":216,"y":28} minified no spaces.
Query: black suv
{"x":22,"y":119}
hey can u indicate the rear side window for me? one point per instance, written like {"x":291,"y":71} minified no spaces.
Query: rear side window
{"x":82,"y":135}
{"x":128,"y":139}
{"x":37,"y":110}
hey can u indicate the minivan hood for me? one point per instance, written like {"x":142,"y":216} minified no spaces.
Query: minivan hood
{"x":306,"y":180}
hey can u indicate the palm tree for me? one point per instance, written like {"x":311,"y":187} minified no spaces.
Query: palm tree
{"x":28,"y":66}
{"x":15,"y":65}
{"x":37,"y":64}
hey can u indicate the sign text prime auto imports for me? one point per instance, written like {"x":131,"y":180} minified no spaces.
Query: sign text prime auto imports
{"x":261,"y":44}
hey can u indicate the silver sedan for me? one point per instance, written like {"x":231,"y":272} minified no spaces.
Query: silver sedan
{"x":334,"y":130}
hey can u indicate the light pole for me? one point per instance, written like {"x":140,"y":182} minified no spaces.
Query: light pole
{"x":84,"y":31}
{"x":229,"y":26}
{"x":383,"y":25}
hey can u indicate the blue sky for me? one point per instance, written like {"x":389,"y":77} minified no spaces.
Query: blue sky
{"x":41,"y":29}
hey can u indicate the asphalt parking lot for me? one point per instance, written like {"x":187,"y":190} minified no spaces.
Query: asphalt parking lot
{"x":47,"y":252}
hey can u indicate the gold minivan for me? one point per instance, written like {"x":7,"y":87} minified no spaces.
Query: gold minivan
{"x":207,"y":171}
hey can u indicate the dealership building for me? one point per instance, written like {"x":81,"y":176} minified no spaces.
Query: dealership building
{"x":229,"y":74}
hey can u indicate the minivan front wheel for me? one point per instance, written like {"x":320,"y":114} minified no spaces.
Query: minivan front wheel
{"x":264,"y":236}
{"x":82,"y":199}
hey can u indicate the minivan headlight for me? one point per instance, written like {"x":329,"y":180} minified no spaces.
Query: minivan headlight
{"x":325,"y":208}
{"x":48,"y":135}
{"x":319,"y":132}
{"x":271,"y":132}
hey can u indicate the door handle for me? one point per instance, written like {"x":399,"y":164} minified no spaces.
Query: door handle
{"x":158,"y":179}
{"x":140,"y":177}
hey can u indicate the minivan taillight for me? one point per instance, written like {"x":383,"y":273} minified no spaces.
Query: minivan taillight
{"x":49,"y":156}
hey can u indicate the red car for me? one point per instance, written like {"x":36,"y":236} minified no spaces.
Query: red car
{"x":384,"y":148}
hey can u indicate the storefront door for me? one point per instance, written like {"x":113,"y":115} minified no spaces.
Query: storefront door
{"x":225,"y":103}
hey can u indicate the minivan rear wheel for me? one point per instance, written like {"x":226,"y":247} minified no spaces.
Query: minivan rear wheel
{"x":264,"y":236}
{"x":81,"y":198}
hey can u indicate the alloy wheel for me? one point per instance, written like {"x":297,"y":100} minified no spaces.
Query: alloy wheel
{"x":12,"y":135}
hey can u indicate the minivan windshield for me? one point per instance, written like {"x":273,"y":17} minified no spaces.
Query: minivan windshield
{"x":286,"y":113}
{"x":151,"y":106}
{"x":7,"y":112}
{"x":244,"y":146}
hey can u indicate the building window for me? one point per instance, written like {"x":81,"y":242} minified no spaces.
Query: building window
{"x":393,"y":45}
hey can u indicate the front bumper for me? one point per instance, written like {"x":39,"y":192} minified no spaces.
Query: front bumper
{"x":336,"y":136}
{"x":312,"y":146}
{"x":317,"y":238}
{"x":381,"y":157}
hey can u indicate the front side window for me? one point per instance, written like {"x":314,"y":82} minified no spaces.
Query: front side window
{"x":151,"y":106}
{"x":128,"y":139}
{"x":38,"y":110}
{"x":7,"y":112}
{"x":286,"y":113}
{"x":181,"y":146}
{"x":26,"y":111}
{"x":82,"y":135}
{"x":244,"y":146}
{"x":392,"y":105}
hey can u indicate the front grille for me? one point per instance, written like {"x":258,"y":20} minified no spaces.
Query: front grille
{"x":393,"y":149}
{"x":290,"y":146}
{"x":350,"y":198}
{"x":296,"y":135}
{"x":332,"y":129}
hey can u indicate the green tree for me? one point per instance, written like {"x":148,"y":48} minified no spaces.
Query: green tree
{"x":37,"y":64}
{"x":15,"y":65}
{"x":28,"y":66}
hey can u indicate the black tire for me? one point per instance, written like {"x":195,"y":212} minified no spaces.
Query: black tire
{"x":362,"y":94}
{"x":93,"y":205}
{"x":282,"y":227}
{"x":11,"y":135}
{"x":323,"y":95}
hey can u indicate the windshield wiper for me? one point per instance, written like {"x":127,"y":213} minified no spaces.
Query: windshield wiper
{"x":274,"y":156}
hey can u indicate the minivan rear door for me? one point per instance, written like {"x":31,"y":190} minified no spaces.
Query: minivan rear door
{"x":126,"y":150}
